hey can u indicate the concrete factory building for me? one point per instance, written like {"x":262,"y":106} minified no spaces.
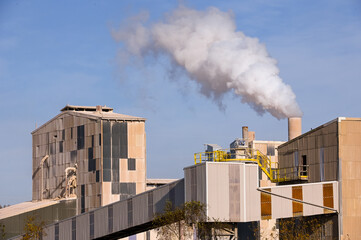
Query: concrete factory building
{"x":89,"y":181}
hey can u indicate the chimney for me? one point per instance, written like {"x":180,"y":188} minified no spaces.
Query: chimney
{"x":245,"y":135}
{"x":294,"y":127}
{"x":98,"y":108}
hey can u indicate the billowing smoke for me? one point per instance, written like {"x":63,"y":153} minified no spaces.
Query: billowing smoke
{"x":221,"y":59}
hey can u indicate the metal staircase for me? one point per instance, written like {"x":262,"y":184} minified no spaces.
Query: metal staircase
{"x":271,"y":169}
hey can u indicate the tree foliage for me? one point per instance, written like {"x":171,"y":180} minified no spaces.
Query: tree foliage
{"x":185,"y":221}
{"x":33,"y":229}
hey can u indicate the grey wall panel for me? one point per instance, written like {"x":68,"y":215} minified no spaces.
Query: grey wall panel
{"x":49,"y":233}
{"x":82,"y":227}
{"x":234,"y":192}
{"x":201,"y":183}
{"x":281,"y":207}
{"x":187,"y":183}
{"x":65,"y":229}
{"x":120,"y":215}
{"x":312,"y":193}
{"x":218,"y":190}
{"x":160,"y":196}
{"x":100,"y":222}
{"x":140,"y":210}
{"x":253,"y":197}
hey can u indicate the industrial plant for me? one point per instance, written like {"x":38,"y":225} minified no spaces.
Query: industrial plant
{"x":89,"y":181}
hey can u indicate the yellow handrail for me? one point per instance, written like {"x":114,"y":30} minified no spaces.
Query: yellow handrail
{"x":274,"y":174}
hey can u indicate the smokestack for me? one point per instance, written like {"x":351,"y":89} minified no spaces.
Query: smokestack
{"x":294,"y":127}
{"x":98,"y":108}
{"x":245,"y":134}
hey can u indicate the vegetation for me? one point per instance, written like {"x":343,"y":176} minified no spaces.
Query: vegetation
{"x":33,"y":229}
{"x":184,"y":222}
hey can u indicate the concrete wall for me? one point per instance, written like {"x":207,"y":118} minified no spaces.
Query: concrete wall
{"x":350,"y":156}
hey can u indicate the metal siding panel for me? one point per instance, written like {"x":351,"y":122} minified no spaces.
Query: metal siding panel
{"x":82,"y":227}
{"x":100,"y":225}
{"x":234,"y":192}
{"x":222,"y":192}
{"x":49,"y":232}
{"x":140,"y":211}
{"x":253,"y":197}
{"x":65,"y":230}
{"x":120,"y":216}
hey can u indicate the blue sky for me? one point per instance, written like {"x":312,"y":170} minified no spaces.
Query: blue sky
{"x":54,"y":53}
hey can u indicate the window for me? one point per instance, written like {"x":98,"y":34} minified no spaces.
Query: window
{"x":270,"y":149}
{"x":61,"y":146}
{"x":131,"y":164}
{"x":80,"y":138}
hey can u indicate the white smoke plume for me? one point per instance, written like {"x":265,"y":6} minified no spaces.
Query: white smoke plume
{"x":221,"y":59}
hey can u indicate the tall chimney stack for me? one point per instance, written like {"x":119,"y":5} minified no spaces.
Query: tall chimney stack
{"x":98,"y":108}
{"x":245,"y":135}
{"x":294,"y":127}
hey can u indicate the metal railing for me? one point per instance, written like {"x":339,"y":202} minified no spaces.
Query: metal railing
{"x":271,"y":169}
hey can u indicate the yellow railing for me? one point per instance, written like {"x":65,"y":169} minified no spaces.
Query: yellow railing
{"x":271,"y":169}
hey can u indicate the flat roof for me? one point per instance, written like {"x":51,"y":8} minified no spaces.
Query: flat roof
{"x":85,"y":108}
{"x":24,"y":207}
{"x":90,"y":112}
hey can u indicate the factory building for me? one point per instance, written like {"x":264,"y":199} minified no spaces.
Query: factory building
{"x":89,"y":180}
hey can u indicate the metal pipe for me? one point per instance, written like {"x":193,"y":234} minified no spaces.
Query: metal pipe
{"x":294,"y":127}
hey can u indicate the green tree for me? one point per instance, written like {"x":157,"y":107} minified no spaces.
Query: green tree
{"x":180,"y":223}
{"x":33,"y":229}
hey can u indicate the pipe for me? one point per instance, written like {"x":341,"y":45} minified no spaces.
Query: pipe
{"x":294,"y":127}
{"x":245,"y":135}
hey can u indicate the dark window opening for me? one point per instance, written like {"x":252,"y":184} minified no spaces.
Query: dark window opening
{"x":97,"y":177}
{"x":131,"y":164}
{"x":100,"y":139}
{"x":270,"y":149}
{"x":92,"y":140}
{"x":63,"y":134}
{"x":80,"y":138}
{"x":304,"y":165}
{"x":82,"y":198}
{"x":71,"y":133}
{"x":61,"y":145}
